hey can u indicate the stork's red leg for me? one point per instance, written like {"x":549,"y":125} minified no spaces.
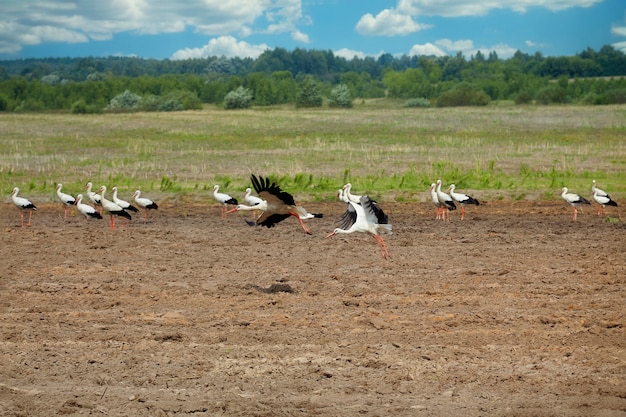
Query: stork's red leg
{"x":306,"y":229}
{"x":383,"y":247}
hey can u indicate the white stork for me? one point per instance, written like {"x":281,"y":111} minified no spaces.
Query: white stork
{"x":462,"y":199}
{"x":349,"y":196}
{"x":574,"y":200}
{"x":145,"y":203}
{"x":93,"y":197}
{"x":22,"y":204}
{"x":602,"y":195}
{"x":85,"y":209}
{"x":435,"y":200}
{"x":111,"y":208}
{"x":445,"y":200}
{"x":365,"y":217}
{"x":223,"y":199}
{"x":67,"y":200}
{"x":278,"y":204}
{"x":603,"y":200}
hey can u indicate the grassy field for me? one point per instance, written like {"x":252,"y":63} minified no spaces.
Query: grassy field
{"x":383,"y":149}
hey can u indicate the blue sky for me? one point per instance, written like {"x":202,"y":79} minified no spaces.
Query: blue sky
{"x":180,"y":29}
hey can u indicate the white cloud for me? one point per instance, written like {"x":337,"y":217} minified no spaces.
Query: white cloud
{"x":620,"y":46}
{"x":298,"y":36}
{"x":455,"y":46}
{"x":223,"y":46}
{"x":454,"y":8}
{"x":388,"y":23}
{"x":349,"y":53}
{"x":426,"y":49}
{"x":32,"y":22}
{"x":618,"y":30}
{"x":532,"y":44}
{"x":467,"y":48}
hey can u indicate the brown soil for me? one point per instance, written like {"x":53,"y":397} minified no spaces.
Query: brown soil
{"x":516,"y":311}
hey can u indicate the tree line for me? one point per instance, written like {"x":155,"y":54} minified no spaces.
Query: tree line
{"x":279,"y":76}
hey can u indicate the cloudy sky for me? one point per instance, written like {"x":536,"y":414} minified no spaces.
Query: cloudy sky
{"x":180,"y":29}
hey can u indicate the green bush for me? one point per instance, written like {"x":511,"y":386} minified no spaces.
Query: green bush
{"x":463,"y":95}
{"x":417,"y":102}
{"x":124,"y":101}
{"x":523,"y":97}
{"x":80,"y":107}
{"x":616,"y":96}
{"x":309,"y":94}
{"x":552,"y":94}
{"x":241,"y":98}
{"x":340,"y":97}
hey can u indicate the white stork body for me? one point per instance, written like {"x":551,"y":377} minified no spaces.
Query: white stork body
{"x":67,"y":200}
{"x":573,"y":200}
{"x":435,"y":200}
{"x":262,"y":206}
{"x":279,"y":204}
{"x":223,"y":199}
{"x":342,"y":195}
{"x":145,"y":203}
{"x":251,"y":200}
{"x":122,"y":203}
{"x":349,"y":196}
{"x":365,"y":217}
{"x":111,"y":208}
{"x":601,"y":194}
{"x":125,"y":205}
{"x":603,"y":200}
{"x":445,"y":200}
{"x":85,"y":209}
{"x":462,"y":199}
{"x":93,"y":197}
{"x":22,"y":204}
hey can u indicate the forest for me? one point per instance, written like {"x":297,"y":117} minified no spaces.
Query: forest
{"x":309,"y":78}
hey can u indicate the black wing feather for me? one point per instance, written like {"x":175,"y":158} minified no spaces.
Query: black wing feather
{"x":271,"y":220}
{"x":261,"y":184}
{"x":378,"y":212}
{"x":347,"y":219}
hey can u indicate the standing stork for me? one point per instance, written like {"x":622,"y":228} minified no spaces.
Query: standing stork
{"x":601,"y":194}
{"x":123,"y":203}
{"x":111,"y":208}
{"x":145,"y":203}
{"x":435,"y":200}
{"x":250,"y":199}
{"x":573,"y":200}
{"x":462,"y":199}
{"x":67,"y":200}
{"x":349,"y":196}
{"x":85,"y":209}
{"x":93,"y":196}
{"x":279,"y":204}
{"x":365,"y":217}
{"x":223,"y":199}
{"x":253,"y":201}
{"x":445,"y":200}
{"x":22,"y":204}
{"x":603,"y":200}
